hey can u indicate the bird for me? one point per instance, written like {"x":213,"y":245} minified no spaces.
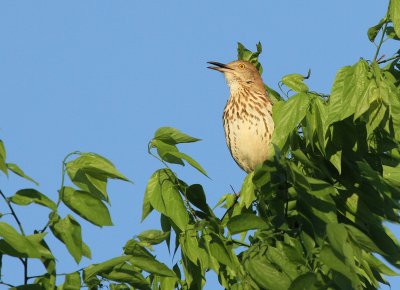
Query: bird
{"x":247,"y":117}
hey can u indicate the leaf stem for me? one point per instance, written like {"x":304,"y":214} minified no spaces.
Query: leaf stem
{"x":4,"y":283}
{"x":389,"y":59}
{"x":13,"y":213}
{"x":23,"y":260}
{"x":240,"y":243}
{"x":380,"y":42}
{"x":237,"y":195}
{"x":25,"y":263}
{"x":64,"y":164}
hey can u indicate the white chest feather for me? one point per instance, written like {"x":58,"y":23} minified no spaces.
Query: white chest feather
{"x":248,"y":128}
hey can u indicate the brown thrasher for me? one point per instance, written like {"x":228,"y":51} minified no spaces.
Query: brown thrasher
{"x":247,"y":117}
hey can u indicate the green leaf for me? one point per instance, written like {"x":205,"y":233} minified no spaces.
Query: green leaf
{"x":247,"y":192}
{"x":247,"y":55}
{"x":72,"y":281}
{"x":304,"y":282}
{"x":272,"y":94}
{"x":96,"y":184}
{"x":163,"y":195}
{"x":142,"y":259}
{"x":245,"y":222}
{"x":104,"y":267}
{"x":266,"y":275}
{"x":197,"y":197}
{"x":194,"y":249}
{"x":189,"y":160}
{"x":170,"y":153}
{"x":87,"y":206}
{"x":295,"y":82}
{"x":316,"y":123}
{"x":287,"y":115}
{"x":168,"y":282}
{"x":376,"y":114}
{"x":37,"y":240}
{"x":173,"y":136}
{"x":153,"y":237}
{"x":68,"y":231}
{"x":394,"y":12}
{"x":18,"y":171}
{"x":94,"y":164}
{"x":279,"y":257}
{"x":328,"y":257}
{"x":377,"y":265}
{"x":395,"y":113}
{"x":220,"y":251}
{"x":353,"y":91}
{"x":3,"y":155}
{"x":373,"y":31}
{"x":128,"y":274}
{"x":165,"y":150}
{"x":18,"y":242}
{"x":28,"y":287}
{"x":30,"y":195}
{"x":363,"y":240}
{"x":391,"y":33}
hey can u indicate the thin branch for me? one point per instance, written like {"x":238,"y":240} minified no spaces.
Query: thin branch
{"x":389,"y":59}
{"x":237,"y":195}
{"x":60,"y":274}
{"x":380,"y":42}
{"x":4,"y":283}
{"x":13,"y":212}
{"x":64,"y":164}
{"x":240,"y":243}
{"x":25,"y":262}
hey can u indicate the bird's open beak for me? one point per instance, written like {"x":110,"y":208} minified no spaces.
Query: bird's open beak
{"x":218,"y":66}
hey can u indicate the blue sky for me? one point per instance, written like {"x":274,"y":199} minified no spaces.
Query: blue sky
{"x":102,"y":76}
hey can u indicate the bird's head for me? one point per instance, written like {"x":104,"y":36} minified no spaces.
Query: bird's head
{"x":239,"y":74}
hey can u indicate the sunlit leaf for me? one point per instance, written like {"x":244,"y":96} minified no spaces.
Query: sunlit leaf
{"x":287,"y":115}
{"x":247,"y":192}
{"x":295,"y":82}
{"x":163,"y":195}
{"x":106,"y":266}
{"x":373,"y":31}
{"x":3,"y":155}
{"x":394,"y":12}
{"x":245,"y":222}
{"x":95,"y":164}
{"x":28,"y":196}
{"x":72,"y":281}
{"x":87,"y":206}
{"x":153,"y":237}
{"x":18,"y":242}
{"x":15,"y":168}
{"x":173,"y":136}
{"x":68,"y":231}
{"x":247,"y":55}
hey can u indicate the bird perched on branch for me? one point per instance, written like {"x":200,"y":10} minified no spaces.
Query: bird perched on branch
{"x":247,"y":117}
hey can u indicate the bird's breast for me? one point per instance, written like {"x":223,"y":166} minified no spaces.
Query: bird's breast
{"x":248,"y":128}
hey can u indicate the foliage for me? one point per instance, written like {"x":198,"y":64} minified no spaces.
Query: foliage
{"x":314,"y":216}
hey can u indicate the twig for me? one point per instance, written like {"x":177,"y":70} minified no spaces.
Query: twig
{"x":234,"y":203}
{"x":60,"y":274}
{"x":13,"y":213}
{"x":380,"y":42}
{"x":389,"y":59}
{"x":240,"y":243}
{"x":64,"y":164}
{"x":4,"y":283}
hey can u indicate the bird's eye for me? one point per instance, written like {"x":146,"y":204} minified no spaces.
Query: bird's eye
{"x":242,"y":66}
